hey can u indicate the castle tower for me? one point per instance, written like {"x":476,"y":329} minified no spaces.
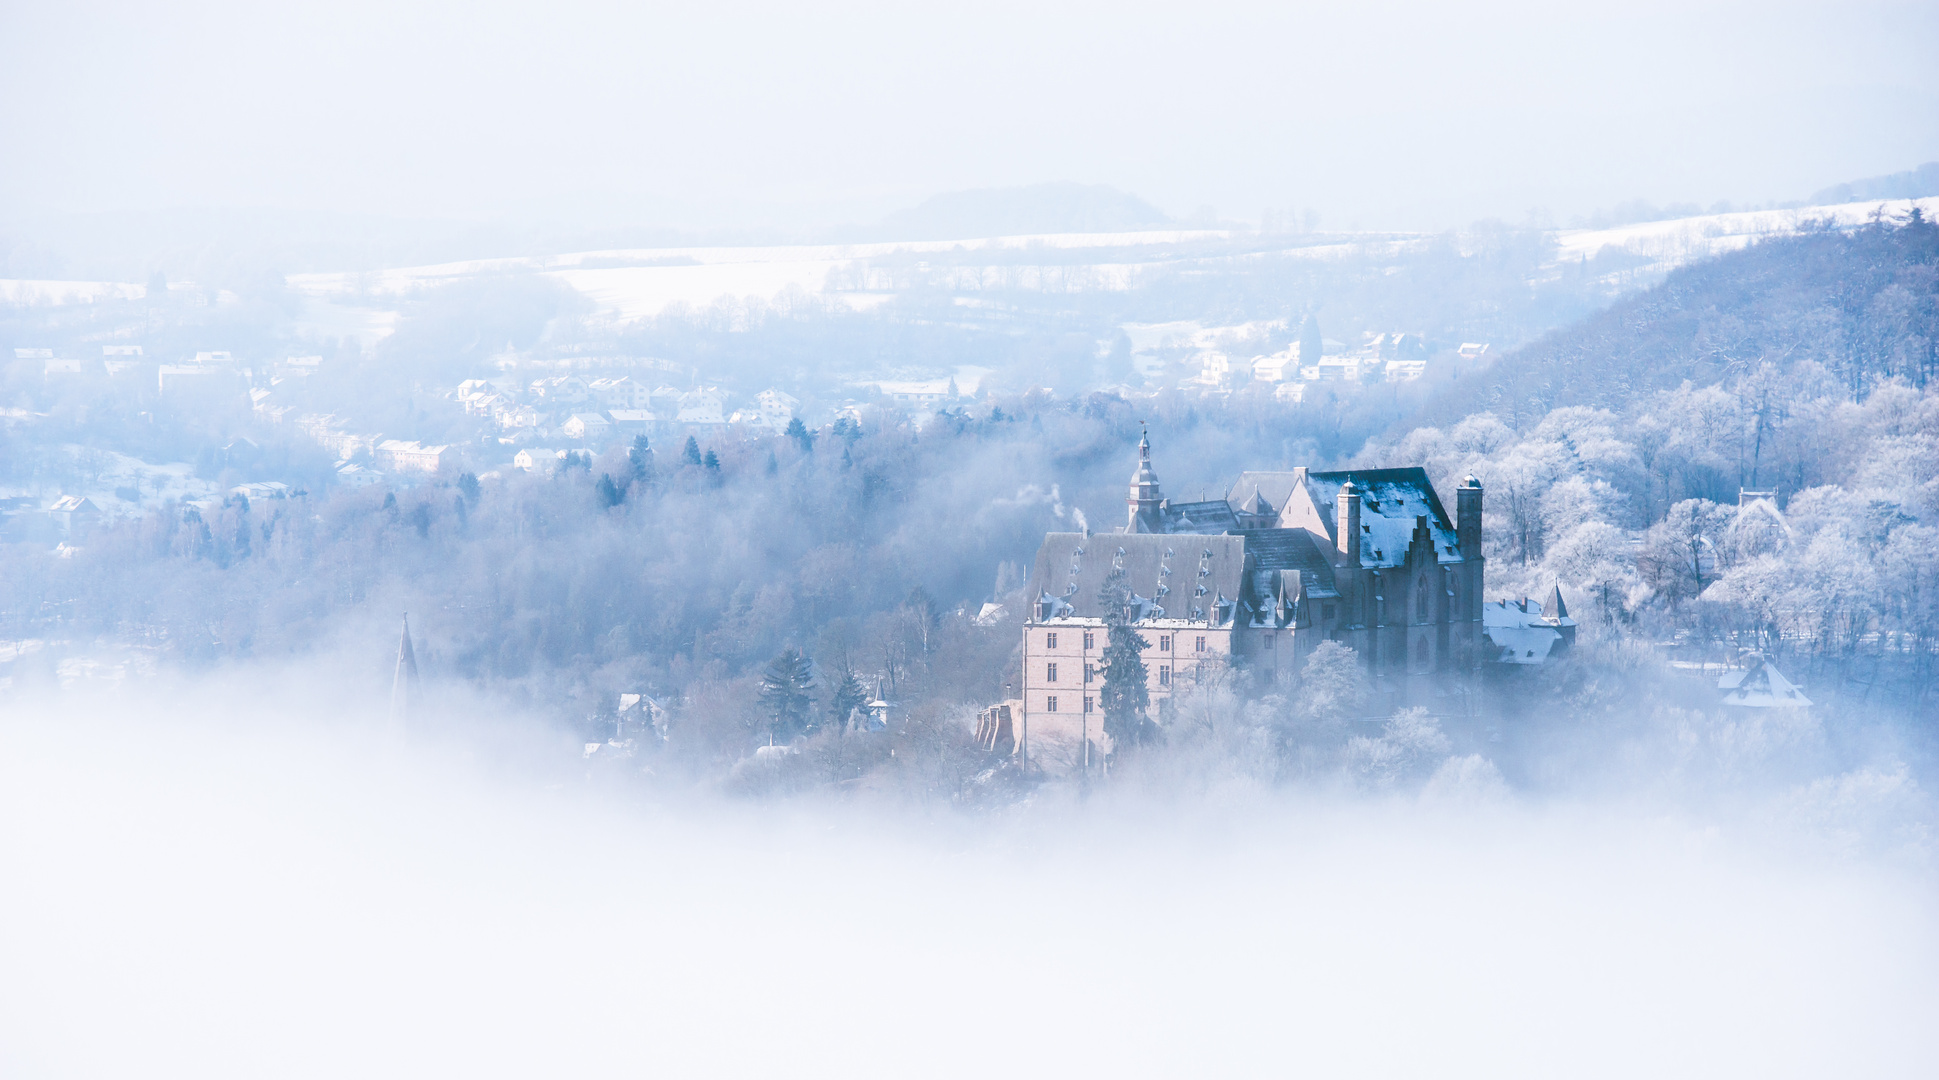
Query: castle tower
{"x":1145,"y":499}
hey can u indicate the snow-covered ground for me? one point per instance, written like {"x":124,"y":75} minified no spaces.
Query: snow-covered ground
{"x":628,"y":284}
{"x":1670,"y":244}
{"x":98,"y":474}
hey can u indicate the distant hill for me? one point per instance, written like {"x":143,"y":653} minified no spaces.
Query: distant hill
{"x":1040,"y":208}
{"x":1914,"y":184}
{"x":1862,"y":302}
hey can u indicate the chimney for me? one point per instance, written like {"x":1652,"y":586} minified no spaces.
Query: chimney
{"x":1467,"y":518}
{"x":1347,"y":518}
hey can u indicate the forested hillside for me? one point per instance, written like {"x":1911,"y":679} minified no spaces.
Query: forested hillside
{"x":1859,"y":307}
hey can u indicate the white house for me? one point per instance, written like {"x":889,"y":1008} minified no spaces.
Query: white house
{"x":409,"y":456}
{"x":705,"y":405}
{"x":620,"y":393}
{"x":534,"y":457}
{"x":587,"y":426}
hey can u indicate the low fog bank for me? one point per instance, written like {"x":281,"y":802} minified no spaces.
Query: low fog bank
{"x":260,"y":877}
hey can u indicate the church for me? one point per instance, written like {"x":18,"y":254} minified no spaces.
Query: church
{"x":1256,"y":580}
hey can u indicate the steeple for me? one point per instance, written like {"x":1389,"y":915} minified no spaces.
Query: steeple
{"x":1145,"y":499}
{"x":403,"y":690}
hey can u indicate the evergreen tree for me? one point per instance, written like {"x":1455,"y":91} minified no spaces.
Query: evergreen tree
{"x":691,"y":453}
{"x":849,"y":695}
{"x":468,"y":487}
{"x":609,"y":493}
{"x":640,"y":458}
{"x":1125,"y":695}
{"x":712,"y":462}
{"x":784,"y":693}
{"x":798,"y":431}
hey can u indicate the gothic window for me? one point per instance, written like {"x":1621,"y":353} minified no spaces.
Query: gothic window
{"x":1420,"y":654}
{"x":1420,"y":601}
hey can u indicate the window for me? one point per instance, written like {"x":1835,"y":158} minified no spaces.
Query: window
{"x":1090,"y":640}
{"x":1420,"y":654}
{"x":1164,"y":675}
{"x":1164,"y":642}
{"x":1420,"y":601}
{"x":1050,"y":641}
{"x":1089,"y":673}
{"x":1050,"y":703}
{"x":1268,"y":640}
{"x":1087,"y":703}
{"x":1201,"y":643}
{"x":1327,"y":612}
{"x":1050,"y":672}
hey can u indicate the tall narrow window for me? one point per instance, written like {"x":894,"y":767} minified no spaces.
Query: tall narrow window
{"x":1090,"y":640}
{"x":1087,"y":703}
{"x":1050,"y":641}
{"x":1164,"y":642}
{"x":1164,"y":675}
{"x":1050,"y":703}
{"x":1201,"y":643}
{"x":1089,"y":672}
{"x":1050,"y":672}
{"x":1420,"y":601}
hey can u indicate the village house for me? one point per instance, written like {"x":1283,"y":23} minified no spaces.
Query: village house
{"x":1369,"y":558}
{"x":403,"y":456}
{"x":587,"y":427}
{"x":620,"y":393}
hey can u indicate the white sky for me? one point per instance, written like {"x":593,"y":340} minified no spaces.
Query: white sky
{"x":727,"y":114}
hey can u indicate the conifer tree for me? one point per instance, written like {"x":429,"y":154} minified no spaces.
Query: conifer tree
{"x":784,"y":693}
{"x":849,"y":695}
{"x":691,"y":453}
{"x":1125,"y":695}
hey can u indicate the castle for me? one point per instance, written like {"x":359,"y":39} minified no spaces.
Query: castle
{"x":1257,"y":580}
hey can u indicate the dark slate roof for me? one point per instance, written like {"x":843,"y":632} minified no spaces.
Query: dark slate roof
{"x":1213,"y":516}
{"x":1390,"y":500}
{"x":1294,"y":550}
{"x":1074,"y":559}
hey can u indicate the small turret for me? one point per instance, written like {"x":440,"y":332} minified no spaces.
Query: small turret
{"x":1347,"y":518}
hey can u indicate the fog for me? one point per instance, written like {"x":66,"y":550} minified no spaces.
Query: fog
{"x":535,"y":541}
{"x":260,"y":875}
{"x":742,"y":116}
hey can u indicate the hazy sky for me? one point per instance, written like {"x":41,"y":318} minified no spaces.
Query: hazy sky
{"x":726,"y":114}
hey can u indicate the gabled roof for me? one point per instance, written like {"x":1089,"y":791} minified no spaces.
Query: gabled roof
{"x":1274,"y":487}
{"x":1390,"y":501}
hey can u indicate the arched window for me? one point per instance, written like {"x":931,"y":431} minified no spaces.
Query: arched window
{"x":1420,"y":654}
{"x":1420,"y":600}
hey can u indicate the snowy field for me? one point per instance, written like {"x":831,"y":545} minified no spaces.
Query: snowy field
{"x":635,"y":283}
{"x":104,"y":477}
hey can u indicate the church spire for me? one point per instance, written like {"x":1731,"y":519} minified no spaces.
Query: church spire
{"x":1145,"y":499}
{"x":403,"y":689}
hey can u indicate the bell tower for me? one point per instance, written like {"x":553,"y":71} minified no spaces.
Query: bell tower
{"x":1144,"y":501}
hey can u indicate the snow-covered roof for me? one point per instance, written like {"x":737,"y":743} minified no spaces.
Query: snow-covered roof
{"x":1761,"y":686}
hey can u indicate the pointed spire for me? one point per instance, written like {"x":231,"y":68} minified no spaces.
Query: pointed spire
{"x":1556,"y":608}
{"x":403,"y":691}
